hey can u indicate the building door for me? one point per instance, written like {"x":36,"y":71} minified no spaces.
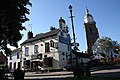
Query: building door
{"x":35,"y":65}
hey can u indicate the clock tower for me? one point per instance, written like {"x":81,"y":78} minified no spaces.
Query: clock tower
{"x":91,"y":32}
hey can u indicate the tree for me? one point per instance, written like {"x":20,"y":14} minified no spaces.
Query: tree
{"x":104,"y":46}
{"x":115,"y":43}
{"x":12,"y":15}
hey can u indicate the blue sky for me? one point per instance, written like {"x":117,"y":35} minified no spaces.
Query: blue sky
{"x":46,"y":13}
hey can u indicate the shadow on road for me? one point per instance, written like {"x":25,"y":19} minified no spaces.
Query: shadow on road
{"x":107,"y":74}
{"x":48,"y":79}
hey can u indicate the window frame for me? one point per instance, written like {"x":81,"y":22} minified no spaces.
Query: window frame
{"x":26,"y":51}
{"x":52,"y":43}
{"x":18,"y":56}
{"x":10,"y":57}
{"x":35,"y":48}
{"x":47,"y":47}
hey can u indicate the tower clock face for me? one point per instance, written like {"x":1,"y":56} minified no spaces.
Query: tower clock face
{"x":90,"y":19}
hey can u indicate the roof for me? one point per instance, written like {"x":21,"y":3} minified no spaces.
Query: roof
{"x":18,"y":49}
{"x":3,"y":58}
{"x":42,"y":36}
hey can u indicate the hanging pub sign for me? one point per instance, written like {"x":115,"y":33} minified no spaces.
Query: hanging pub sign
{"x":64,"y":40}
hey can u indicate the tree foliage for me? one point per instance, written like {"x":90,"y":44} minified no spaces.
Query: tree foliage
{"x":12,"y":15}
{"x":115,"y":43}
{"x":105,"y":46}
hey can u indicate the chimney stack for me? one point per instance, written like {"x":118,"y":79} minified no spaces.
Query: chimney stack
{"x":61,"y":22}
{"x":30,"y":34}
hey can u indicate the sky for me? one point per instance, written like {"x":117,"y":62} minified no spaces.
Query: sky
{"x":46,"y":13}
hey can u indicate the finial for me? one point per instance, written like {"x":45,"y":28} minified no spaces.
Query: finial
{"x":70,"y":6}
{"x":60,"y":17}
{"x":87,"y":11}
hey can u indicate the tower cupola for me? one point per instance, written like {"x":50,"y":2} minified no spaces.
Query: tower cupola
{"x":88,"y":17}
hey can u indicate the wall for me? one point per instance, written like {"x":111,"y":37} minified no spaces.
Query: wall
{"x":14,"y":60}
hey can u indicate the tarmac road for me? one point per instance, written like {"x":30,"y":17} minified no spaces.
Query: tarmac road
{"x":61,"y":75}
{"x":112,"y":73}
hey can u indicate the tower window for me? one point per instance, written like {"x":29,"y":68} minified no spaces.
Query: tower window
{"x":90,"y":30}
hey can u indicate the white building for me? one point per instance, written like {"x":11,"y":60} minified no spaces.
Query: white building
{"x":14,"y":59}
{"x":48,"y":50}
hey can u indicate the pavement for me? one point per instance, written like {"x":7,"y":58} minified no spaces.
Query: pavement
{"x":60,"y":73}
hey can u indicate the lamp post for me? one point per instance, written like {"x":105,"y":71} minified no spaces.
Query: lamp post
{"x":71,"y":16}
{"x":75,"y":48}
{"x":21,"y":53}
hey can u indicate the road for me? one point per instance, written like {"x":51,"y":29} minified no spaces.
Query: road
{"x":113,"y":73}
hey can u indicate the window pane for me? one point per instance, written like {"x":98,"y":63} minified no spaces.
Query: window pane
{"x":47,"y":48}
{"x":51,"y":43}
{"x":56,"y":45}
{"x":26,"y":51}
{"x":18,"y":55}
{"x":10,"y":65}
{"x":36,"y":48}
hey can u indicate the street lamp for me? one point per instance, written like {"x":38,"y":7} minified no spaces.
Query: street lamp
{"x":21,"y":53}
{"x":75,"y":47}
{"x":70,"y":8}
